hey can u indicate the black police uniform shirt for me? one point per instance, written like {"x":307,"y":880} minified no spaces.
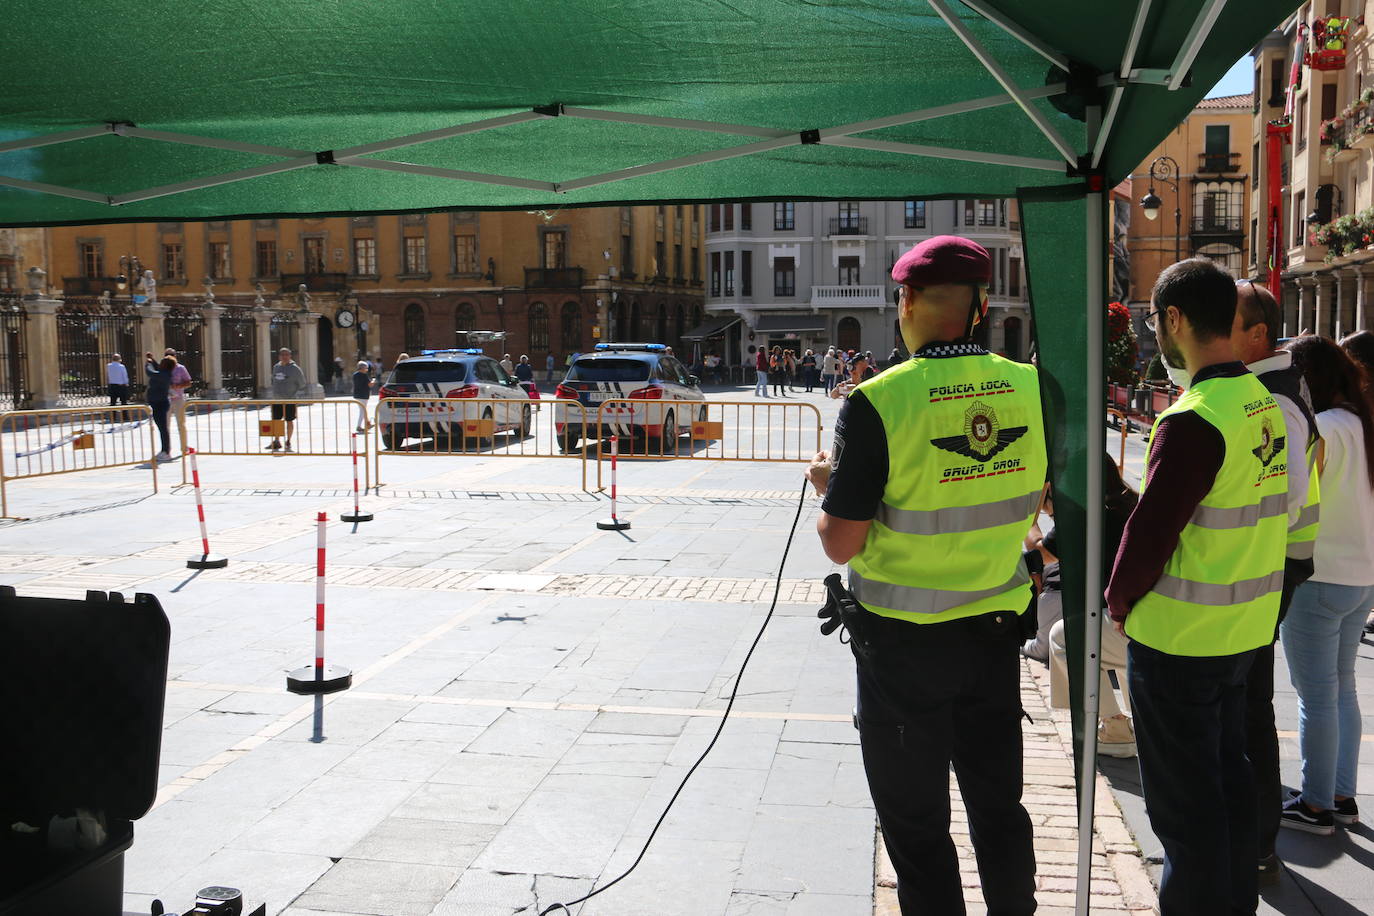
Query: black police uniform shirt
{"x":859,"y":456}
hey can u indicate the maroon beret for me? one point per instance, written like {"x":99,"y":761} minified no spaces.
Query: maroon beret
{"x":943,"y":259}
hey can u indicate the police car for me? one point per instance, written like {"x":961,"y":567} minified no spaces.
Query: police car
{"x":462,"y":373}
{"x":635,"y":372}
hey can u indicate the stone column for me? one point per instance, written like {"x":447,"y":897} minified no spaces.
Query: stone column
{"x":212,"y":357}
{"x":1323,"y":308}
{"x":262,"y":343}
{"x":41,"y":341}
{"x":1304,"y":305}
{"x":1361,"y":301}
{"x":1338,"y":307}
{"x":308,"y":342}
{"x":152,"y":336}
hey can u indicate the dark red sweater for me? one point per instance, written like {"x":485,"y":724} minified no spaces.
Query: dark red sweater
{"x":1186,"y":453}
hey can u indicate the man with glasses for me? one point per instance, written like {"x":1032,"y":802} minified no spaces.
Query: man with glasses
{"x":1255,"y":339}
{"x":1196,"y":587}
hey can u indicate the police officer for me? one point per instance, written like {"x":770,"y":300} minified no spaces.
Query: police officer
{"x":930,"y":489}
{"x":1196,"y":587}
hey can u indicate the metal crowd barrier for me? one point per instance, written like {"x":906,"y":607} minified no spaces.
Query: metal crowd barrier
{"x":483,"y":427}
{"x":40,"y":443}
{"x":1124,"y":423}
{"x":243,"y":427}
{"x":707,"y":430}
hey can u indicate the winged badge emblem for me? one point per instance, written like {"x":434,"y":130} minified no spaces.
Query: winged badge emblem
{"x":983,"y":437}
{"x":1270,"y":445}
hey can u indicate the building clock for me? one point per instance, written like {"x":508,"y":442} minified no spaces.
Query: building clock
{"x":344,"y":318}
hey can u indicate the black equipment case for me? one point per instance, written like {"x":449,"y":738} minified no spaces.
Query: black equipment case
{"x":82,"y":698}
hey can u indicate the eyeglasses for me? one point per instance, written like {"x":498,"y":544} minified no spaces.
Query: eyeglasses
{"x":1152,"y":320}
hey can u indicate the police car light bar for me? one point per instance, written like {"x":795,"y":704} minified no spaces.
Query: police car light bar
{"x":631,"y":346}
{"x":473,"y":350}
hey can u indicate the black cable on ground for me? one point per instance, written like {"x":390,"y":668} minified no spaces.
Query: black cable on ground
{"x":777,"y":589}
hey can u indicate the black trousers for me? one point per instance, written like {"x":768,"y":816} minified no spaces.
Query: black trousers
{"x":1199,"y":791}
{"x":119,"y":394}
{"x":930,"y":696}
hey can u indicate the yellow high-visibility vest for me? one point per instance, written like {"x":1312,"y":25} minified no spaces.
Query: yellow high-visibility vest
{"x":966,"y":463}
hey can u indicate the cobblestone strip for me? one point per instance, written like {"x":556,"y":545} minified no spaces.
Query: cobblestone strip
{"x":1119,"y":881}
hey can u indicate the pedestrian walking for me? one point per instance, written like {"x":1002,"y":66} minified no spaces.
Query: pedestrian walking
{"x":287,"y":382}
{"x":1321,"y":634}
{"x":761,"y":364}
{"x":777,"y":371}
{"x":830,"y":368}
{"x":1196,"y":588}
{"x":159,"y":398}
{"x":894,"y":357}
{"x":548,"y":368}
{"x":1255,"y":338}
{"x":789,"y":361}
{"x":507,"y":364}
{"x":180,"y":391}
{"x":935,"y":643}
{"x":523,"y":370}
{"x":363,"y":384}
{"x":808,"y":368}
{"x":117,"y":378}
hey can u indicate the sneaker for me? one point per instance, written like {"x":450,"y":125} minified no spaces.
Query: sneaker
{"x":1297,"y":816}
{"x":1116,"y":738}
{"x":288,"y":446}
{"x":275,"y":446}
{"x":164,"y":456}
{"x":359,"y":429}
{"x":1269,"y":871}
{"x":1346,"y":812}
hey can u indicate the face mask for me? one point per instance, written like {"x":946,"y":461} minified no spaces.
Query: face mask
{"x":1179,"y":376}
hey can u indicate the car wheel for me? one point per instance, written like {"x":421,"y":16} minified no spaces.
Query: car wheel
{"x":568,"y":442}
{"x":526,"y":422}
{"x":392,"y":441}
{"x":668,"y":433}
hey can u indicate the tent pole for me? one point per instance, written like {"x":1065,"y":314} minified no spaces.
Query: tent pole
{"x":1197,"y":37}
{"x":943,"y":152}
{"x":1095,"y":237}
{"x":1019,"y":33}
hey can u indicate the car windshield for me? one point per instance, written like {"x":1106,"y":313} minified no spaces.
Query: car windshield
{"x":428,"y":370}
{"x":609,"y":369}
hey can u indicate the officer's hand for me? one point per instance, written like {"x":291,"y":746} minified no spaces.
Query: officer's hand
{"x":818,"y":472}
{"x":1119,"y":626}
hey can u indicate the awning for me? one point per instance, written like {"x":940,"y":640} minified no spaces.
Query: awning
{"x":716,"y":327}
{"x":796,"y":323}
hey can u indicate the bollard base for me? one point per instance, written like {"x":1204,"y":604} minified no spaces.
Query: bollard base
{"x":311,"y":680}
{"x":356,"y":517}
{"x":207,"y":561}
{"x":613,"y":524}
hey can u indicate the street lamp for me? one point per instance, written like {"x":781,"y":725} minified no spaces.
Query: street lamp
{"x":1164,"y":169}
{"x":129,"y":265}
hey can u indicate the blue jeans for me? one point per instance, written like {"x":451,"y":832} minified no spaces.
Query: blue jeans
{"x":1199,"y":788}
{"x":1321,"y":635}
{"x":761,"y":384}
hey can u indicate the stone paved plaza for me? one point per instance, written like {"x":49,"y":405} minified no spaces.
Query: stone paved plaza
{"x":529,"y":691}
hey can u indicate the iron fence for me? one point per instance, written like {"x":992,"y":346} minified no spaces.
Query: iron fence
{"x":14,"y":358}
{"x":283,"y":334}
{"x":238,"y":353}
{"x":184,"y":331}
{"x":89,"y":330}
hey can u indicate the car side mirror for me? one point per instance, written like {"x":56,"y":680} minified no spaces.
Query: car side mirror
{"x":693,"y":380}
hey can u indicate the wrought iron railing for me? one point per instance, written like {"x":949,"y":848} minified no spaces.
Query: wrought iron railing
{"x":848,"y":225}
{"x":15,"y":393}
{"x":89,"y":332}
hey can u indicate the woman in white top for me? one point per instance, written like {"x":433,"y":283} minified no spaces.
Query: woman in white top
{"x":830,"y":367}
{"x":1321,"y":633}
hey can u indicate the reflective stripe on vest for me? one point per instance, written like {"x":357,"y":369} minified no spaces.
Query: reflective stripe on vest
{"x":924,"y":600}
{"x":962,"y":518}
{"x":1301,"y":550}
{"x":1309,"y":515}
{"x":1218,"y":595}
{"x":1241,"y":516}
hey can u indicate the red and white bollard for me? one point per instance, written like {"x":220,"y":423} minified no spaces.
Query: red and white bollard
{"x":206,"y":560}
{"x":319,"y":677}
{"x":614,"y":523}
{"x":357,"y":515}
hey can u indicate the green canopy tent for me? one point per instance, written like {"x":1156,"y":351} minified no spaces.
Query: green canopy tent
{"x":163,"y":110}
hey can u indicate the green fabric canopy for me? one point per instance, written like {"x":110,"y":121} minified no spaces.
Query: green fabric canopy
{"x":167,"y":110}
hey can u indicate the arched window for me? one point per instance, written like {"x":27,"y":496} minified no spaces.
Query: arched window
{"x":464,"y":317}
{"x":679,"y":325}
{"x":662,"y":324}
{"x":847,"y":334}
{"x":539,"y":327}
{"x":572,"y":327}
{"x":414,"y":328}
{"x":1225,"y":255}
{"x":1011,"y":338}
{"x":636,"y":329}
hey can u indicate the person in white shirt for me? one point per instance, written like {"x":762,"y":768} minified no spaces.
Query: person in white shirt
{"x":830,"y":367}
{"x":117,"y":377}
{"x":1321,"y":634}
